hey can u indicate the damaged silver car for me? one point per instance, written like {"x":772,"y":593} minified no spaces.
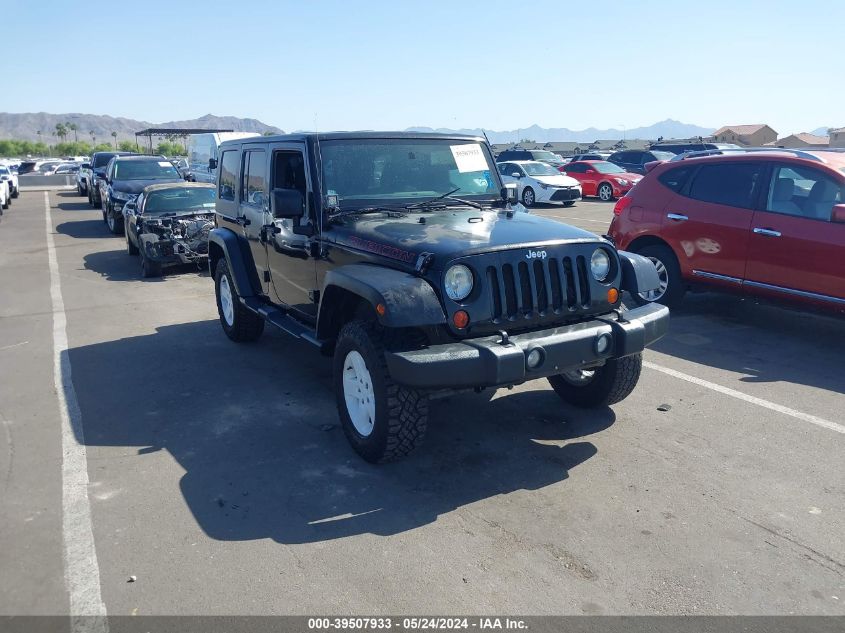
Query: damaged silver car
{"x":168,"y":225}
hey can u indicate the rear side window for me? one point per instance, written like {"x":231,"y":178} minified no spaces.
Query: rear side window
{"x":576,"y":168}
{"x":228,"y":175}
{"x":255,"y":177}
{"x":675,"y":179}
{"x":731,"y":184}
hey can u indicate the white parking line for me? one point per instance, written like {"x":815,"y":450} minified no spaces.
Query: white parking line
{"x":82,"y":572}
{"x":798,"y":415}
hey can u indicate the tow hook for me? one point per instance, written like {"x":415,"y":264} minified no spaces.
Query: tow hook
{"x":505,"y":340}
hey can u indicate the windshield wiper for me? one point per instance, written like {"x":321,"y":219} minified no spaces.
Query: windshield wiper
{"x":375,"y":209}
{"x":446,"y":196}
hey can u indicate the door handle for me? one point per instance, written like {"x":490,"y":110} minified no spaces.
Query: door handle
{"x":767,"y":232}
{"x":242,"y":220}
{"x":677,"y":217}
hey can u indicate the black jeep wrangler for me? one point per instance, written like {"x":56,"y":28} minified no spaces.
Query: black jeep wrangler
{"x":402,"y":255}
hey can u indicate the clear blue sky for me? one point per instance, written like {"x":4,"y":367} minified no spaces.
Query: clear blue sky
{"x":390,"y":65}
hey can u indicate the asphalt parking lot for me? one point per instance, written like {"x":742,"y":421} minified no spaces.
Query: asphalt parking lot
{"x":218,"y":477}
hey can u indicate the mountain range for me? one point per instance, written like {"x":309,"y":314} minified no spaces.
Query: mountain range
{"x":25,"y":126}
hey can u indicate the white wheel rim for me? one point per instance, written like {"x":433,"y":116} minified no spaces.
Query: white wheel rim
{"x":528,"y":197}
{"x":579,"y":377}
{"x":663,"y":276}
{"x":604,"y":192}
{"x":226,"y":303}
{"x":358,"y":393}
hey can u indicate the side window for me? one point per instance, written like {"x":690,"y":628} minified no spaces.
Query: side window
{"x":228,"y":175}
{"x":803,"y":191}
{"x":731,"y":184}
{"x":254,"y":177}
{"x":289,"y":171}
{"x":576,"y":168}
{"x":675,"y":179}
{"x":503,"y":169}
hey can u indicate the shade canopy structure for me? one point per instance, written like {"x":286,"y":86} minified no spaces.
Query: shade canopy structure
{"x":167,"y":132}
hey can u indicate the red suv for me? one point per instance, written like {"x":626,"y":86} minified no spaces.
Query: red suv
{"x":768,"y":223}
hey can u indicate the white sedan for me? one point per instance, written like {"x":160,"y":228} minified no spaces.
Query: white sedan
{"x":540,"y":182}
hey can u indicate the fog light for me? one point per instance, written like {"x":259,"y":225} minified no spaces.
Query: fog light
{"x":603,"y":343}
{"x":535,"y":358}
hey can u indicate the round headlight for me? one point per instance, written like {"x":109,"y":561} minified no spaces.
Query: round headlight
{"x":458,"y":282}
{"x":600,"y":264}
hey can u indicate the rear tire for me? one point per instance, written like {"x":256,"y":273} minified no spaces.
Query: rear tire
{"x":239,"y":323}
{"x":599,"y":387}
{"x":528,"y":197}
{"x":16,"y":192}
{"x":569,"y":203}
{"x":382,"y":420}
{"x":672,"y":287}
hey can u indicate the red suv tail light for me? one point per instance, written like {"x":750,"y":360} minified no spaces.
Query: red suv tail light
{"x":623,"y":203}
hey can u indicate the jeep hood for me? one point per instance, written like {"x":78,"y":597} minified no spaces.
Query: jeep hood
{"x":137,"y":186}
{"x":448,"y":234}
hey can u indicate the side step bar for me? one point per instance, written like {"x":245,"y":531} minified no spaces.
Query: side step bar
{"x":283,"y":321}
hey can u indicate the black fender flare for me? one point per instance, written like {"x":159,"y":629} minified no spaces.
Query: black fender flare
{"x":408,"y":301}
{"x":638,"y":273}
{"x":239,"y":259}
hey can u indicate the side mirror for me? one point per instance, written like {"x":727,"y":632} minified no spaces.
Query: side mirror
{"x":509,"y":193}
{"x":287,"y":203}
{"x":837,"y":214}
{"x":516,"y":174}
{"x":212,"y":164}
{"x":85,"y":166}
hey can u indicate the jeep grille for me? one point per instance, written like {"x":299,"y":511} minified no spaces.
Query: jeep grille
{"x":537,"y":288}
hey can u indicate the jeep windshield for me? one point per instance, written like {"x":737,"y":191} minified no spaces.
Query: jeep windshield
{"x":145,"y":170}
{"x":401,"y":172}
{"x":181,"y":199}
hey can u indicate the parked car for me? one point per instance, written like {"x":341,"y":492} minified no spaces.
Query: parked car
{"x":399,"y":254}
{"x":99,"y":162}
{"x":762,"y":223}
{"x":540,"y":182}
{"x":5,"y":195}
{"x":203,"y":149}
{"x":168,"y":224}
{"x":82,"y":178}
{"x":680,"y":148}
{"x":601,"y":178}
{"x":542,"y":155}
{"x":634,"y":160}
{"x":125,"y":177}
{"x":66,"y":168}
{"x":11,"y":177}
{"x":579,"y":157}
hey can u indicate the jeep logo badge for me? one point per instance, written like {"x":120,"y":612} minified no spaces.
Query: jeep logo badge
{"x":535,"y":254}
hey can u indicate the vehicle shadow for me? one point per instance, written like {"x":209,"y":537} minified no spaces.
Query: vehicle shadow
{"x":85,"y":229}
{"x":117,"y":265}
{"x":73,"y":202}
{"x":257,"y":433}
{"x":768,"y":343}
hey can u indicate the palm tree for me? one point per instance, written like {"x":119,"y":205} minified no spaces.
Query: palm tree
{"x":114,"y":136}
{"x":73,"y":127}
{"x":61,"y":131}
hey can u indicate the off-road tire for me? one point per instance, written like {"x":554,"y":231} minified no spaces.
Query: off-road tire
{"x":401,"y":413}
{"x":246,"y":326}
{"x":532,"y":201}
{"x":677,"y":288}
{"x":612,"y":382}
{"x":608,"y":197}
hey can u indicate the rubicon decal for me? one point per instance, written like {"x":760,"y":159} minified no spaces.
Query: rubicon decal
{"x":382,"y":249}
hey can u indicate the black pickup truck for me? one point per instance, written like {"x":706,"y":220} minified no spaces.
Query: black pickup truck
{"x":404,"y":257}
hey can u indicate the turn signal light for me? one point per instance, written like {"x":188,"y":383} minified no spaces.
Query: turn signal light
{"x":460,"y":319}
{"x":612,"y":295}
{"x":381,"y":309}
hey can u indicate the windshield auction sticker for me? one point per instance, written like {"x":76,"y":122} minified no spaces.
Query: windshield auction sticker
{"x":469,"y":157}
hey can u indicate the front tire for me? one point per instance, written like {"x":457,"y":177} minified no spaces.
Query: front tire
{"x":569,"y":203}
{"x":528,"y":197}
{"x":382,"y":420}
{"x":239,"y":323}
{"x":115,"y":225}
{"x":601,"y":386}
{"x":605,"y":192}
{"x":672,"y":287}
{"x":131,"y":249}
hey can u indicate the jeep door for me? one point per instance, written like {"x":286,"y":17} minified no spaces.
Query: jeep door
{"x":708,"y":222}
{"x":293,"y":242}
{"x":234,"y":211}
{"x":794,"y":247}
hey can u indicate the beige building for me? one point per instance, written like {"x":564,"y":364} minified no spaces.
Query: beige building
{"x":802,"y":141}
{"x":748,"y":135}
{"x":837,"y":137}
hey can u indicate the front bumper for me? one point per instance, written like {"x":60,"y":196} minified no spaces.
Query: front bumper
{"x":488,"y":362}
